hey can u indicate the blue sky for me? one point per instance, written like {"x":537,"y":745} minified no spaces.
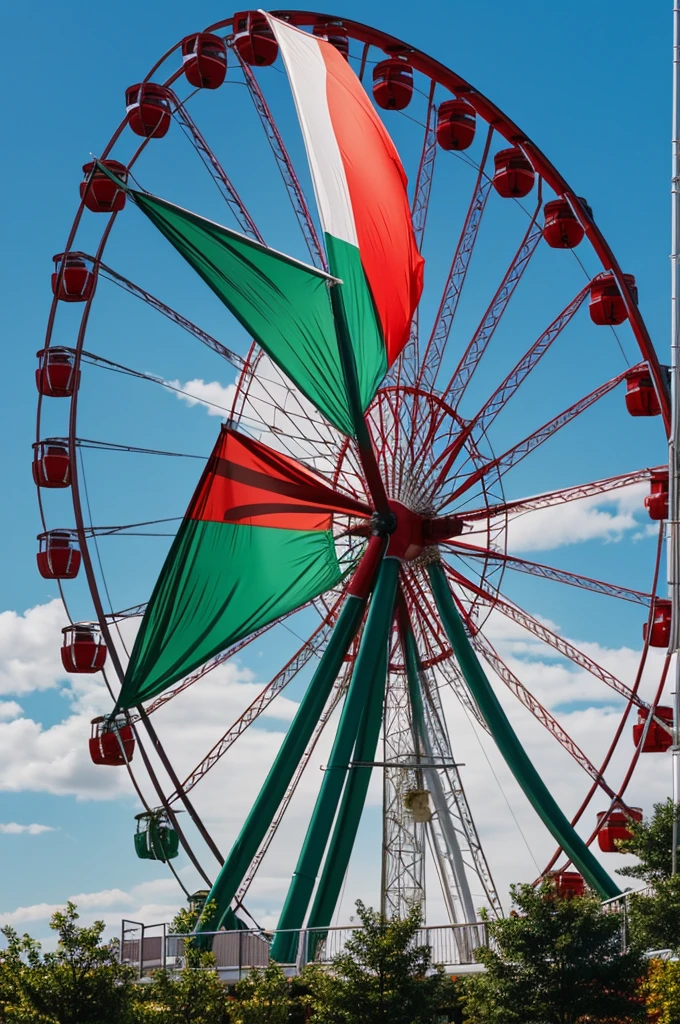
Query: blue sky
{"x":592,"y":90}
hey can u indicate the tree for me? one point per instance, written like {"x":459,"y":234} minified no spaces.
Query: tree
{"x":82,"y":982}
{"x":382,"y":975}
{"x":557,"y":961}
{"x":654,"y":918}
{"x":194,"y":996}
{"x":663,"y":992}
{"x":652,"y":843}
{"x":264,"y":997}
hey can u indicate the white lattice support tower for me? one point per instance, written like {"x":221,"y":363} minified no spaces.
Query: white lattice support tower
{"x":455,"y":811}
{"x":403,"y":859}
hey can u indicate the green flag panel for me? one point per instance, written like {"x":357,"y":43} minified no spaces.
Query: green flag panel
{"x":221,"y":582}
{"x":282,"y":303}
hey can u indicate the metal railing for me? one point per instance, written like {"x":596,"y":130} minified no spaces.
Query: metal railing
{"x":150,"y":947}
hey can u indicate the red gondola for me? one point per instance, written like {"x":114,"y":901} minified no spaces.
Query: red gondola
{"x":660,"y":633}
{"x":656,"y":502}
{"x":641,"y":398}
{"x":562,"y":229}
{"x":616,"y":828}
{"x":335,"y":34}
{"x":456,"y":124}
{"x":99,"y":193}
{"x":56,"y":376}
{"x":111,"y":741}
{"x":254,"y":39}
{"x":569,"y":883}
{"x":58,"y":556}
{"x":513,"y":175}
{"x":73,"y":279}
{"x":204,"y":60}
{"x":83,"y":648}
{"x":658,"y":740}
{"x":51,"y":463}
{"x":607,"y":305}
{"x":149,"y":109}
{"x":393,"y":84}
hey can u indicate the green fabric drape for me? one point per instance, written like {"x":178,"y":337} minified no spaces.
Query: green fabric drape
{"x":219,"y":583}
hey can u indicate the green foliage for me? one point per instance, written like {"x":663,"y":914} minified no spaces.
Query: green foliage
{"x":381,"y":976}
{"x":82,"y":982}
{"x":662,"y":991}
{"x":193,"y":996}
{"x":652,"y":842}
{"x":264,"y":997}
{"x":558,"y":961}
{"x":654,"y":920}
{"x":184,"y":922}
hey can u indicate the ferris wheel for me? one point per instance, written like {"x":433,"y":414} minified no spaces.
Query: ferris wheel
{"x":366,"y":483}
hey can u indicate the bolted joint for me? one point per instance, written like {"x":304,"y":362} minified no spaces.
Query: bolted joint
{"x":383,"y":524}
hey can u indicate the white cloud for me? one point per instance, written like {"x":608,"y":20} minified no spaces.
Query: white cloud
{"x":28,"y":645}
{"x":11,"y":828}
{"x":215,"y":398}
{"x":9,"y":709}
{"x":606,"y":518}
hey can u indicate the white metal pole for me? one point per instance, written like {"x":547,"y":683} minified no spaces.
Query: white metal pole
{"x":674,"y":446}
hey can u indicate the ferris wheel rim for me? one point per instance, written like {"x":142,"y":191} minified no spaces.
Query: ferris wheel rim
{"x":503,"y":125}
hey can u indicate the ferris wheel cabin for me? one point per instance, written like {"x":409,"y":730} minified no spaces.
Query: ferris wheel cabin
{"x":98,"y":192}
{"x":334,"y":33}
{"x":660,"y":632}
{"x":658,"y":739}
{"x":513,"y":174}
{"x":58,"y":555}
{"x":607,"y":305}
{"x":149,"y":109}
{"x":656,"y":502}
{"x":456,"y":125}
{"x":83,"y":648}
{"x":73,"y":279}
{"x":562,"y":228}
{"x":51,"y":463}
{"x":641,"y":397}
{"x":56,"y":376}
{"x":616,"y":828}
{"x":112,"y":741}
{"x":204,"y":60}
{"x":393,"y":84}
{"x":254,"y":40}
{"x":568,"y":883}
{"x":155,"y":839}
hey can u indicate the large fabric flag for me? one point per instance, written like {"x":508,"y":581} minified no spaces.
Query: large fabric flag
{"x":360,"y":188}
{"x":256,"y":542}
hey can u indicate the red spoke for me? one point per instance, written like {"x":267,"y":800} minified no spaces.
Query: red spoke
{"x":285,"y":166}
{"x":480,"y":340}
{"x":217,"y":172}
{"x":549,"y":572}
{"x":504,"y":392}
{"x":436,"y":345}
{"x":532,"y":625}
{"x":552,"y":498}
{"x":171,"y":314}
{"x":541,"y":714}
{"x":514,"y":455}
{"x":405,"y":369}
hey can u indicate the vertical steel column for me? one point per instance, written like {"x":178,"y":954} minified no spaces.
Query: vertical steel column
{"x":674,"y":445}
